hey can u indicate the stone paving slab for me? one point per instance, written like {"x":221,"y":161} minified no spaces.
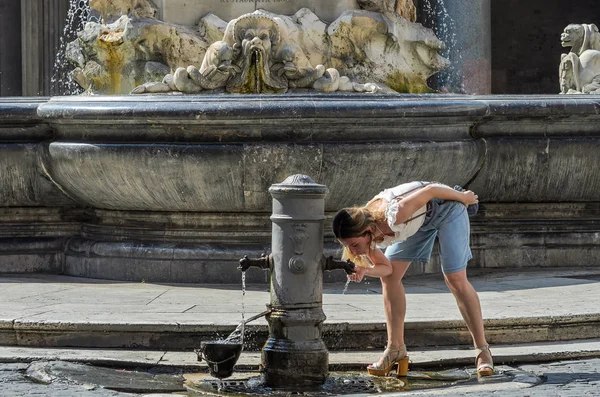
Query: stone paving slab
{"x":432,"y":358}
{"x":46,"y":310}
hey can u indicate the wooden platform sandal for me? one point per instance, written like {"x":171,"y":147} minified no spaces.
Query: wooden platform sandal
{"x":484,"y":369}
{"x":390,"y":358}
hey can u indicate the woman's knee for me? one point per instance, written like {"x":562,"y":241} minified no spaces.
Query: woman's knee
{"x":457,"y":282}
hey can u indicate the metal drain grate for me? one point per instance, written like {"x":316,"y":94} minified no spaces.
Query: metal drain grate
{"x":347,"y":386}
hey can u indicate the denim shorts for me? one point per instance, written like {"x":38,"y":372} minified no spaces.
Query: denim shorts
{"x":448,"y":220}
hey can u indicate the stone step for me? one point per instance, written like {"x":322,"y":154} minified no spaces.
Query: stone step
{"x":429,"y":358}
{"x":170,"y":335}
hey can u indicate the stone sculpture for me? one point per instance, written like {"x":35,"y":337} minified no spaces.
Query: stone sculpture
{"x":255,"y":56}
{"x":258,"y":52}
{"x":404,"y":8}
{"x":111,"y":10}
{"x":579,"y":70}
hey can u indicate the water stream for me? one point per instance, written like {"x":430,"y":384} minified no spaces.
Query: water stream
{"x":243,"y":306}
{"x":61,"y":82}
{"x":346,"y":286}
{"x":437,"y":17}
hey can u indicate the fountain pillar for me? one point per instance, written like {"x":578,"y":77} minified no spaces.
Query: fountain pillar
{"x":295,"y":355}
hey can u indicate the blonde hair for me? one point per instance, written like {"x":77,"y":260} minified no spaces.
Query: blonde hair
{"x":355,"y":222}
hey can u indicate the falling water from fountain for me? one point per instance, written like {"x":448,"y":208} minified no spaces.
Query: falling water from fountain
{"x":78,"y":15}
{"x":243,"y":305}
{"x":346,"y":287}
{"x":437,"y":17}
{"x":256,"y":57}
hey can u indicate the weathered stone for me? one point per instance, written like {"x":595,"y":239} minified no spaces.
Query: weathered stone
{"x":404,"y":8}
{"x":407,"y":9}
{"x":186,"y":12}
{"x":108,"y":378}
{"x":361,"y":51}
{"x":111,"y":10}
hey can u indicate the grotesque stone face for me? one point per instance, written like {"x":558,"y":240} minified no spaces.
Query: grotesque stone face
{"x":256,"y":33}
{"x":257,"y":39}
{"x":573,"y":36}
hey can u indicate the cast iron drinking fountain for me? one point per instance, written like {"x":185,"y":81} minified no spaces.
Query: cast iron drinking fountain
{"x":294,"y":355}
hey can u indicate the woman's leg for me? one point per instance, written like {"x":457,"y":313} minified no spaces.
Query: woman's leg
{"x":470,"y":309}
{"x":394,"y":302}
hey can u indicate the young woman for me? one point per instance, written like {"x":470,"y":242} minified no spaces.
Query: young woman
{"x":405,"y":220}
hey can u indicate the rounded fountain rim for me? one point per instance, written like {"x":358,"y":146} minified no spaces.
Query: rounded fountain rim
{"x":299,"y":183}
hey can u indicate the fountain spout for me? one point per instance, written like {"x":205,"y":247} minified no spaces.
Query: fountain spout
{"x":264,"y":262}
{"x":330,"y":264}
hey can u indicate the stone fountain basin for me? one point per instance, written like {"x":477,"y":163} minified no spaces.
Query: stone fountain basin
{"x":215,"y":154}
{"x":222,"y":152}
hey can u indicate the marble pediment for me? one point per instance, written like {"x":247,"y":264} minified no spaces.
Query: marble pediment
{"x":189,"y":12}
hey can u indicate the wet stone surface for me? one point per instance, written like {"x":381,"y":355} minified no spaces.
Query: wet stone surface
{"x":107,"y":378}
{"x":564,"y":378}
{"x":355,"y":383}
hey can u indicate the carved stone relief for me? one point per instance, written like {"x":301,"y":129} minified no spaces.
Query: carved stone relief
{"x":258,"y":52}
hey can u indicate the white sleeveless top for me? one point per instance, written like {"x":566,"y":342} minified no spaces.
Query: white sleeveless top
{"x":404,"y":230}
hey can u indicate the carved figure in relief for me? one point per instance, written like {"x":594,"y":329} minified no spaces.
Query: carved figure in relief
{"x":254,"y":57}
{"x":372,"y":49}
{"x":579,"y":70}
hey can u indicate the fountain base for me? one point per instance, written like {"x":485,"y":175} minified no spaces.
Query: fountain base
{"x":287,"y":363}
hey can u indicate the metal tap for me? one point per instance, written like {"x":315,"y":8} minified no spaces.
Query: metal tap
{"x":330,"y":264}
{"x":264,"y":262}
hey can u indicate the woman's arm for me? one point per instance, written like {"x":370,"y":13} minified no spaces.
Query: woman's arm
{"x":409,"y":205}
{"x":382,"y":268}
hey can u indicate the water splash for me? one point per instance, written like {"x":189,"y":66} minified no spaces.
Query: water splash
{"x":437,"y":17}
{"x":61,"y":82}
{"x":346,"y":287}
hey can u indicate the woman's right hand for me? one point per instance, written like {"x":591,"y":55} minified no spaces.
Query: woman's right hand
{"x":358,"y":275}
{"x":469,"y":198}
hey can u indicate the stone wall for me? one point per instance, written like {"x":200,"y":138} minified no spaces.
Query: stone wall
{"x":171,"y":188}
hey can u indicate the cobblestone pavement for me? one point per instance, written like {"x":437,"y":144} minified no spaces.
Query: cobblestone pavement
{"x":561,"y":379}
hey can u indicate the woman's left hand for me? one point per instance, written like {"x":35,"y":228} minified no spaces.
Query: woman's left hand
{"x":358,"y":275}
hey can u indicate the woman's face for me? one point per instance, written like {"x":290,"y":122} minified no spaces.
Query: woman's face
{"x":358,"y":245}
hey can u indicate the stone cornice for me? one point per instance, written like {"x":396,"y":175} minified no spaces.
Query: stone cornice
{"x":317,"y":118}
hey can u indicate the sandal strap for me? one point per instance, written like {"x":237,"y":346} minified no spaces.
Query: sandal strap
{"x":480,"y":350}
{"x":485,"y":365}
{"x":390,"y":355}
